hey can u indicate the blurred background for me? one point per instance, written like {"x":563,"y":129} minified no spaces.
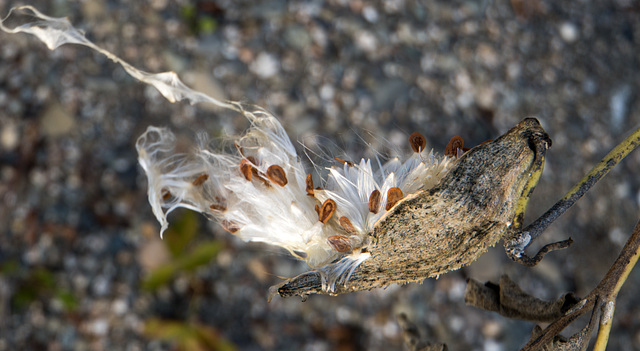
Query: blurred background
{"x":82,"y":266}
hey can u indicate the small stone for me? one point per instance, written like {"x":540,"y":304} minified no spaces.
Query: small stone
{"x":9,"y":136}
{"x":265,"y":65}
{"x":56,"y":121}
{"x":370,"y":14}
{"x":569,"y":32}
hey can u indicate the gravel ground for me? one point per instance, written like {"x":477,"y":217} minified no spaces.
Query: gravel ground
{"x":78,"y":235}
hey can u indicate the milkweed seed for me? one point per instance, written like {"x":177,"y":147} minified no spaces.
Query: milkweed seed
{"x":218,"y":207}
{"x":277,"y":175}
{"x":340,"y":243}
{"x":393,"y":196}
{"x":374,"y":201}
{"x":255,"y":172}
{"x":417,"y":141}
{"x":230,"y":226}
{"x":309,"y":183}
{"x":452,"y":147}
{"x":346,"y":224}
{"x":200,"y":180}
{"x":327,"y":210}
{"x":245,"y":169}
{"x":344,"y":161}
{"x":165,"y":193}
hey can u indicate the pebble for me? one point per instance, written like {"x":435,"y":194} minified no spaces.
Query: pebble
{"x":265,"y":65}
{"x":569,"y":32}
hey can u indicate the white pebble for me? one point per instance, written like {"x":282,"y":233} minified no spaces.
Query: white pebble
{"x":569,"y":32}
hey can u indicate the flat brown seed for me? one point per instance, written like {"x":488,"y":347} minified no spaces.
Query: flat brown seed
{"x":344,"y":161}
{"x":230,"y":226}
{"x":374,"y":201}
{"x":277,"y":175}
{"x":417,"y":141}
{"x":218,"y":207}
{"x":346,"y":224}
{"x":327,"y":210}
{"x":452,"y":147}
{"x":165,"y":193}
{"x":200,"y":180}
{"x":309,"y":182}
{"x":245,"y":169}
{"x":393,"y":196}
{"x":340,"y":243}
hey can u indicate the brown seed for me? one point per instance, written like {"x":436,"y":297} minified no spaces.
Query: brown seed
{"x":245,"y":169}
{"x":346,"y":224}
{"x":344,"y":161}
{"x":452,"y":147}
{"x":230,"y":226}
{"x":200,"y":180}
{"x":417,"y":141}
{"x":309,"y":185}
{"x":327,"y":210}
{"x":255,"y":172}
{"x":340,"y":243}
{"x":219,"y":205}
{"x":374,"y":201}
{"x":277,"y":175}
{"x":393,"y":196}
{"x":165,"y":193}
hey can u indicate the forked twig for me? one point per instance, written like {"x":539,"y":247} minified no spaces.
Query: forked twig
{"x":602,"y":297}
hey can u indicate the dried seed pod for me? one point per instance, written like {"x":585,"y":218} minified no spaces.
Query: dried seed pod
{"x":452,"y":147}
{"x":277,"y":175}
{"x":344,"y":161}
{"x":393,"y":196}
{"x":340,"y":243}
{"x":245,"y":169}
{"x":417,"y":141}
{"x":309,"y":183}
{"x":374,"y":201}
{"x":452,"y":224}
{"x":347,"y":225}
{"x":327,"y":210}
{"x":200,"y":180}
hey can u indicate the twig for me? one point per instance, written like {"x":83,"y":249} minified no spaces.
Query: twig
{"x":602,"y":297}
{"x":600,"y":170}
